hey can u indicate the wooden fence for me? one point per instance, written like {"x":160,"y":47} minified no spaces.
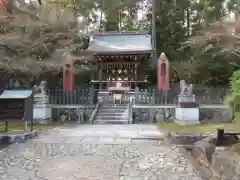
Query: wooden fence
{"x":77,"y":96}
{"x":202,"y":96}
{"x":151,"y":96}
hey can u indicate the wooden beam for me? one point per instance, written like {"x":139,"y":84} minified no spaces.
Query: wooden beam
{"x":70,"y":106}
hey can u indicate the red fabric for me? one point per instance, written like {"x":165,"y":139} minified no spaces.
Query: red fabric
{"x":3,"y":3}
{"x":68,"y":77}
{"x":163,"y":75}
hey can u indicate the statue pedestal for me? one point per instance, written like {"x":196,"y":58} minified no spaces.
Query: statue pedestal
{"x":187,"y":116}
{"x":41,"y":113}
{"x":186,"y":98}
{"x":187,"y":111}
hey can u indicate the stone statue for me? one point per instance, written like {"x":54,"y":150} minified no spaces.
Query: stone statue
{"x":41,"y":88}
{"x":186,"y":89}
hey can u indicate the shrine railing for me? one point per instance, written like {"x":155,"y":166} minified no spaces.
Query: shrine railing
{"x":57,"y":96}
{"x":106,"y":97}
{"x":152,"y":96}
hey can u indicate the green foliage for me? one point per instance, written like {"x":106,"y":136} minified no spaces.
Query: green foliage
{"x":152,"y":75}
{"x":233,"y":98}
{"x":83,"y":79}
{"x":176,"y":21}
{"x":235,"y":82}
{"x":34,"y":43}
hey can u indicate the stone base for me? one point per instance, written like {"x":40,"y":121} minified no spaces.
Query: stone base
{"x":16,"y":136}
{"x":186,"y":98}
{"x":186,"y":122}
{"x":187,"y":116}
{"x":42,"y":114}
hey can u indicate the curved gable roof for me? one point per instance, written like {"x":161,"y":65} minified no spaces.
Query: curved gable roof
{"x":117,"y":43}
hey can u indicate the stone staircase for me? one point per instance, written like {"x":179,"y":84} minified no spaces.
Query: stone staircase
{"x":111,"y":114}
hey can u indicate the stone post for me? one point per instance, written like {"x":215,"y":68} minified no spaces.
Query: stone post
{"x":136,"y":94}
{"x":91,"y":96}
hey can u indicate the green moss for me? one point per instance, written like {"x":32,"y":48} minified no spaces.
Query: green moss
{"x":13,"y":126}
{"x":237,"y":117}
{"x":201,"y":127}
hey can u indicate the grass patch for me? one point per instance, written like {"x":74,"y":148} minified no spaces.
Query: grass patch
{"x":19,"y":126}
{"x":237,"y":117}
{"x":201,"y":128}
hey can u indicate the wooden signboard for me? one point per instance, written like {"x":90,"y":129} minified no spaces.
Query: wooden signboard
{"x":16,"y":105}
{"x":12,"y":109}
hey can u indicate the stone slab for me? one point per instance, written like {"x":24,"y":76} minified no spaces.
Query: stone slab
{"x":87,"y":159}
{"x":122,"y":140}
{"x":16,"y":136}
{"x":90,"y":140}
{"x":106,"y":140}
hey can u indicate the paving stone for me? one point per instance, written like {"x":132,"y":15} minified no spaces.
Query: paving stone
{"x":57,"y":155}
{"x":106,"y":140}
{"x":91,"y":140}
{"x":122,"y":140}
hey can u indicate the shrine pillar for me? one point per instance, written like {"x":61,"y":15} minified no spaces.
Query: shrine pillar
{"x":100,"y":74}
{"x":3,"y":5}
{"x":136,"y":72}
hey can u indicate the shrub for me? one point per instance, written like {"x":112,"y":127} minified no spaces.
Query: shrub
{"x":233,"y":97}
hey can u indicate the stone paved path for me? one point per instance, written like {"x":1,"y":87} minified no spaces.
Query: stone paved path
{"x":96,"y":152}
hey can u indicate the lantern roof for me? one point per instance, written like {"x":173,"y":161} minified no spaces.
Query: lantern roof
{"x":115,"y":43}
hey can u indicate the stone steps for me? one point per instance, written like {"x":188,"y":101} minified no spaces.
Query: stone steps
{"x":111,"y":114}
{"x":111,"y":121}
{"x":108,"y":117}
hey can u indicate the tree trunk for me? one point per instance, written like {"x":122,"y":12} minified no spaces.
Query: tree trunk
{"x":237,"y":26}
{"x":188,"y":19}
{"x":112,"y":21}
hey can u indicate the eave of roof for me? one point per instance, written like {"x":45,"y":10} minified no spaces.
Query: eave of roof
{"x":106,"y":53}
{"x":112,"y":33}
{"x":114,"y":43}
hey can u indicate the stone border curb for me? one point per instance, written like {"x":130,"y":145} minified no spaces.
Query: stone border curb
{"x":179,"y":138}
{"x":187,"y":138}
{"x":204,"y":173}
{"x":17,"y":138}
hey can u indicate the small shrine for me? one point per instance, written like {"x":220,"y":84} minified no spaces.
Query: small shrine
{"x":120,"y":57}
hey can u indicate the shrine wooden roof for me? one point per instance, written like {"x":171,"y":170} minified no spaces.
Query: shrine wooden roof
{"x":16,"y":94}
{"x":115,"y":43}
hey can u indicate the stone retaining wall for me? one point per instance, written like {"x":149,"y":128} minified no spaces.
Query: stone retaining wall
{"x":206,"y":115}
{"x":226,"y":165}
{"x":219,"y":161}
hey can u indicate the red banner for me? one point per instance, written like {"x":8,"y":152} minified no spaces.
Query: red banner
{"x":68,"y":74}
{"x":163,"y":73}
{"x":3,"y":3}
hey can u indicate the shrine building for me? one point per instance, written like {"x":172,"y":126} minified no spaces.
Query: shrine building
{"x":120,"y":57}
